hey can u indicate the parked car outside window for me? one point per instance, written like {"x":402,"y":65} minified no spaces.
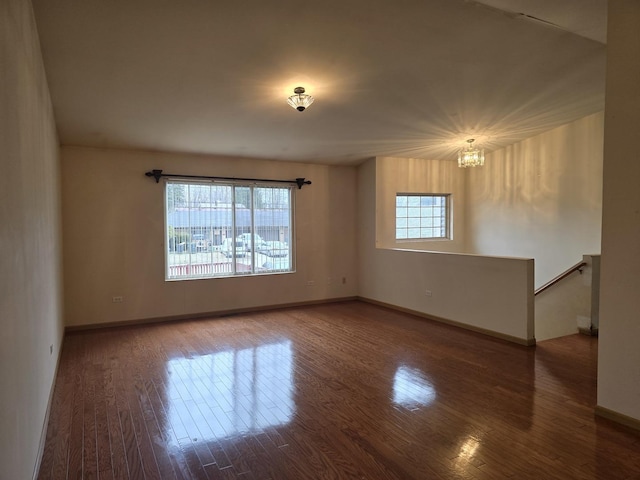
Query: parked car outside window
{"x":227,"y":247}
{"x":274,"y":249}
{"x":246,"y":238}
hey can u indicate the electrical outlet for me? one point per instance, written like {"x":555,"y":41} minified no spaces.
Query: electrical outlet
{"x":328,"y":280}
{"x":310,"y":283}
{"x":117,"y":299}
{"x":428,"y":293}
{"x":344,"y":280}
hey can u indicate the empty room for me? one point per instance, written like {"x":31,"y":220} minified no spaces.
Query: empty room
{"x":368,"y":240}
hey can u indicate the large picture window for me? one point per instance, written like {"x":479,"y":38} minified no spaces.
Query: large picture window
{"x":227,"y":229}
{"x":422,"y":216}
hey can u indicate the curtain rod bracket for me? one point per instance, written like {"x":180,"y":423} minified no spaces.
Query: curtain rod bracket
{"x":157,"y":174}
{"x":301,"y":181}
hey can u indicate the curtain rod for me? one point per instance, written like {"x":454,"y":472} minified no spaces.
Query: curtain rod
{"x":157,"y":174}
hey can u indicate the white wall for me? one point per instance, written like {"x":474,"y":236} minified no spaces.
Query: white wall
{"x":114,"y":237}
{"x":540,"y":198}
{"x":408,"y":175}
{"x":30,"y":246}
{"x":619,"y":349}
{"x":484,"y":293}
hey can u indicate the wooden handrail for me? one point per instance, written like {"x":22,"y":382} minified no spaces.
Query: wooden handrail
{"x":577,"y":267}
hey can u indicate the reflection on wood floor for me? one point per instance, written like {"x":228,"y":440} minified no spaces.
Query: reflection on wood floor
{"x":339,"y":391}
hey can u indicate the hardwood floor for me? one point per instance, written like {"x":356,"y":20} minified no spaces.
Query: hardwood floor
{"x":339,"y":391}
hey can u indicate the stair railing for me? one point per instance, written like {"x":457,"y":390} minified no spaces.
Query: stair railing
{"x":576,"y":268}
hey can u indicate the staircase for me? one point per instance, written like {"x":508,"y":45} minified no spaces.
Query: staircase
{"x":569,"y":303}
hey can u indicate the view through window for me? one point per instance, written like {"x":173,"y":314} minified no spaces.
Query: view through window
{"x":219,"y":230}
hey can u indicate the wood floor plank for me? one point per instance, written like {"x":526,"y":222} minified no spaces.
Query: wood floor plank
{"x":141,"y":434}
{"x":103,"y":443}
{"x":154,"y":429}
{"x":116,"y":438}
{"x":344,"y":391}
{"x":132,"y":454}
{"x":221,"y":460}
{"x":76,"y":438}
{"x":214,"y":473}
{"x":196,"y":469}
{"x":54,"y":460}
{"x":89,"y":453}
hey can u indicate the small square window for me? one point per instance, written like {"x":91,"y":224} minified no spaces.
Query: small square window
{"x":422,"y":216}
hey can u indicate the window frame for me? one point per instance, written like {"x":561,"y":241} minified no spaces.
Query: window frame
{"x":255,"y":270}
{"x":448,"y":215}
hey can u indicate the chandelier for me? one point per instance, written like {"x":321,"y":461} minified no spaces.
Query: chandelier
{"x":300,"y":101}
{"x":470,"y":156}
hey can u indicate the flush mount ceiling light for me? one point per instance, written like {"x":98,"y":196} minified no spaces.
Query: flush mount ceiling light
{"x":470,"y":156}
{"x":300,"y":101}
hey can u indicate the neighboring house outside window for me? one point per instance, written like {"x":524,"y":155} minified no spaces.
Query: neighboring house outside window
{"x":227,"y":229}
{"x":421,"y":216}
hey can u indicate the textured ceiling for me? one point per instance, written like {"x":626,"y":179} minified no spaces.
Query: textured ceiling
{"x":409,"y":78}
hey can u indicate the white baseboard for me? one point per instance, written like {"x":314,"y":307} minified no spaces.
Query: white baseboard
{"x":617,"y":417}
